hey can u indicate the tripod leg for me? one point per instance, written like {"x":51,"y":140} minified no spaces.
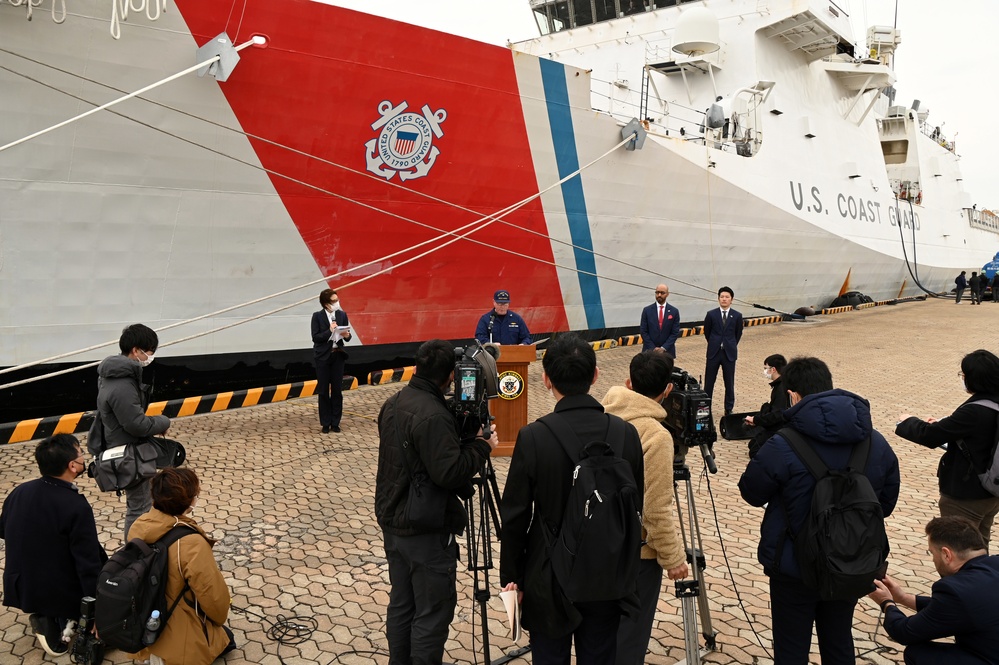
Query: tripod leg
{"x":690,"y":630}
{"x":702,"y":599}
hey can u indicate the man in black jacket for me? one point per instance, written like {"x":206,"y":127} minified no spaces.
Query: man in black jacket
{"x":771,"y":415}
{"x":423,"y":561}
{"x":962,"y":605}
{"x":50,"y":537}
{"x":534,"y":498}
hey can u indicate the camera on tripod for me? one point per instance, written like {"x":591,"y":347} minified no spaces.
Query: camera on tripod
{"x":475,"y":382}
{"x":688,"y":418}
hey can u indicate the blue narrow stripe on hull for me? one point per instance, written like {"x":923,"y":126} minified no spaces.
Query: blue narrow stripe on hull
{"x":564,"y":142}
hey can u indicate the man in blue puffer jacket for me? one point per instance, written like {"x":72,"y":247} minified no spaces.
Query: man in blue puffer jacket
{"x":834,"y":421}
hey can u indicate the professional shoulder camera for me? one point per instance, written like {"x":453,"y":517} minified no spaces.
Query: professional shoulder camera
{"x":475,"y":382}
{"x":688,"y":418}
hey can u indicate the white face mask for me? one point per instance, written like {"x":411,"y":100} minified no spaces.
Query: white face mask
{"x":149,"y":359}
{"x":766,"y":374}
{"x":334,"y":307}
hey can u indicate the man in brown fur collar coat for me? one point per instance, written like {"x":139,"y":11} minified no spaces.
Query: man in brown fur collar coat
{"x":640,"y":403}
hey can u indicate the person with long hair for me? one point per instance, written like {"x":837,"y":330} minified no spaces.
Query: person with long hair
{"x":969,"y":433}
{"x":195,"y":634}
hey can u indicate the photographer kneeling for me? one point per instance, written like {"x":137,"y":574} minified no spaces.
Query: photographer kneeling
{"x":422,"y":466}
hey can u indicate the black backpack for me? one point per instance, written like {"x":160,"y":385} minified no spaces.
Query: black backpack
{"x":130,"y":586}
{"x":842,"y":546}
{"x":596,"y":551}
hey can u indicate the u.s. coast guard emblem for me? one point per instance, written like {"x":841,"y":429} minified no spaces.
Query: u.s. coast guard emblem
{"x":511,"y":385}
{"x":405,"y":144}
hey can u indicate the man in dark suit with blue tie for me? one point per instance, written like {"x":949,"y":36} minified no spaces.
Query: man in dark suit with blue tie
{"x":660,"y":324}
{"x":327,"y":345}
{"x":723,"y":330}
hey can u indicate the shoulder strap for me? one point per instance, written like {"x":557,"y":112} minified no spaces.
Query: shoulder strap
{"x":565,"y":435}
{"x":168,"y":539}
{"x":802,"y":448}
{"x":986,"y":403}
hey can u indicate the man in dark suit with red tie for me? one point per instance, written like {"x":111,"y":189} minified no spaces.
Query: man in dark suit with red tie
{"x":722,"y":330}
{"x":660,"y":324}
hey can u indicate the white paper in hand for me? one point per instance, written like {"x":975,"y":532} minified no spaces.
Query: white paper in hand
{"x":512,"y":613}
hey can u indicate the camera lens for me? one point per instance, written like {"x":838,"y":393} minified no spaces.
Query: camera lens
{"x":92,"y":470}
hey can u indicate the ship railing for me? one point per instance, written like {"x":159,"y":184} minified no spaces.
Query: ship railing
{"x":982,"y":219}
{"x":934,"y":134}
{"x":153,"y":9}
{"x":667,"y":120}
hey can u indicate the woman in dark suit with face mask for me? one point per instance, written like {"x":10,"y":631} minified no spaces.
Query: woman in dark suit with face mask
{"x":329,"y":358}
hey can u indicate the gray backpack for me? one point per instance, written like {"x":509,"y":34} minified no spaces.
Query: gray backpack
{"x":990,"y":478}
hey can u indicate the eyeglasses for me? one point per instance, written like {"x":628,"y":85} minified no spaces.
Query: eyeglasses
{"x":961,"y":374}
{"x":662,"y":293}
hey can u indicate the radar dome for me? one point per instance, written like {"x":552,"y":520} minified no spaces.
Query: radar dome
{"x":696,"y":32}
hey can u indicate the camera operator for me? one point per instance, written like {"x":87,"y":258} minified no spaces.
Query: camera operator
{"x":639,"y":402}
{"x":423,"y":560}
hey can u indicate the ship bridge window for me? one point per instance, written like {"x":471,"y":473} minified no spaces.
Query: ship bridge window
{"x":895,"y":152}
{"x":582,"y":12}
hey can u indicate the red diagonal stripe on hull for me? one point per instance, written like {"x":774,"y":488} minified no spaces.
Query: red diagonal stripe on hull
{"x":317,"y":88}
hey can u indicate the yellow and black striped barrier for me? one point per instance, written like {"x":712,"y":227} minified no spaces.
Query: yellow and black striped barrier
{"x":762,"y":320}
{"x":601,"y":344}
{"x":867,"y":305}
{"x":690,"y":332}
{"x":629,"y":340}
{"x":382,"y":376}
{"x":837,"y":310}
{"x":75,"y":423}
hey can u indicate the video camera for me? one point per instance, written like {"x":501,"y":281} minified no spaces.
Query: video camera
{"x":688,"y":418}
{"x":475,"y":381}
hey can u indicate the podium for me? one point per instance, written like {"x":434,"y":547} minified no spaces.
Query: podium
{"x":510,"y":408}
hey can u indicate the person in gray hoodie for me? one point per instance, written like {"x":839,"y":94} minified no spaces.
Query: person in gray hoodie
{"x":122,"y":399}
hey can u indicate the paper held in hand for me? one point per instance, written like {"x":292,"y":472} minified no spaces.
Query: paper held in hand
{"x":512,"y":613}
{"x":340,"y":333}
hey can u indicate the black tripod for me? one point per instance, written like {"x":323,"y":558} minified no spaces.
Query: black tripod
{"x":480,"y":554}
{"x":688,"y":590}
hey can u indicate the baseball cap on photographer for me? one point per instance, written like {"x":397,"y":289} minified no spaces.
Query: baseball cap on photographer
{"x":501,"y":297}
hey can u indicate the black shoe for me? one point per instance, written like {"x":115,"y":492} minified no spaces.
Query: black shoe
{"x":49,"y":634}
{"x":336,"y":428}
{"x":326,"y":429}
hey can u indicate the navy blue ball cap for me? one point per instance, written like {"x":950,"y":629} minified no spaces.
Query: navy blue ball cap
{"x":501,"y":297}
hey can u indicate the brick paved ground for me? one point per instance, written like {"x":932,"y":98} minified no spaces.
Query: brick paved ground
{"x":292,"y":508}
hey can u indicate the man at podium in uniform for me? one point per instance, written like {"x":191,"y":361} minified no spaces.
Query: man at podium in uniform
{"x":501,"y":326}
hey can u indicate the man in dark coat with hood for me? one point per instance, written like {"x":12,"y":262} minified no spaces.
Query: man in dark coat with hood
{"x":833,"y":421}
{"x":53,"y":555}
